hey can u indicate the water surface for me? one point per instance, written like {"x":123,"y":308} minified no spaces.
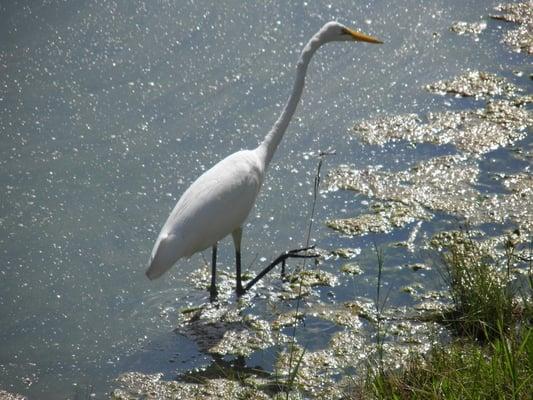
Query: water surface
{"x":109,"y":109}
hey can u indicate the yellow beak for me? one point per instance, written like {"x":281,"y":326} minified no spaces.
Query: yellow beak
{"x":361,"y":37}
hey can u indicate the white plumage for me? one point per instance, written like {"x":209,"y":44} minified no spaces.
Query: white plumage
{"x":219,"y":201}
{"x":215,"y":205}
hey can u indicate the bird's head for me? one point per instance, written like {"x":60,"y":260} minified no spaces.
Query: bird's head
{"x":336,"y":32}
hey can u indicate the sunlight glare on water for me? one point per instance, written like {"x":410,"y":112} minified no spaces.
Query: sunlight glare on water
{"x":109,"y":109}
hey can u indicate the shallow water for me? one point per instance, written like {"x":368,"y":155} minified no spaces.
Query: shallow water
{"x":108,"y":110}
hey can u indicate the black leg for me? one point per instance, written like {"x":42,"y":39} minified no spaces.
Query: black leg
{"x":239,"y":288}
{"x":213,"y":291}
{"x":237,"y":236}
{"x":281,"y":259}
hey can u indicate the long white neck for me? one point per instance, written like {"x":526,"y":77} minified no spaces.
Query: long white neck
{"x":273,"y":138}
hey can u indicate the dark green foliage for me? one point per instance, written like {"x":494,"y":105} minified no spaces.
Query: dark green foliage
{"x":482,"y":295}
{"x":502,"y":370}
{"x":492,"y":356}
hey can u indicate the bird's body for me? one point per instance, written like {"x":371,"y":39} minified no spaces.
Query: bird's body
{"x":219,"y":201}
{"x":196,"y":222}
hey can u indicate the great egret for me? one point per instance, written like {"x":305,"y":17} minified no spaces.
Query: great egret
{"x":219,"y":201}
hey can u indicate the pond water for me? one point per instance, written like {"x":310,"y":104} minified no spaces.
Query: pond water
{"x":109,"y":109}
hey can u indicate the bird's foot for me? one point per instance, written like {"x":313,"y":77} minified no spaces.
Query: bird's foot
{"x":239,"y":289}
{"x":213,"y":295}
{"x":296,"y":253}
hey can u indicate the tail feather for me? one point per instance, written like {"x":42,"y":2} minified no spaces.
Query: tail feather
{"x":164,"y":256}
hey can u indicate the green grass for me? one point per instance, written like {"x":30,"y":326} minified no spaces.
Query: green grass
{"x":484,"y":300}
{"x":502,"y":370}
{"x":491,"y":356}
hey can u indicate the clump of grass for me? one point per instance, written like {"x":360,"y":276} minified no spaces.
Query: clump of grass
{"x":503,"y":370}
{"x":493,"y":356}
{"x":484,"y":300}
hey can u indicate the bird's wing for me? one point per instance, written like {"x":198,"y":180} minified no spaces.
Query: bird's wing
{"x":215,"y":205}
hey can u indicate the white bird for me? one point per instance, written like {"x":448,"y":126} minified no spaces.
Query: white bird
{"x":219,"y":201}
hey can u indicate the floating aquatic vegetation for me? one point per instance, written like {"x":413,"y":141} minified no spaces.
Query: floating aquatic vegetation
{"x":520,"y":13}
{"x":498,"y":124}
{"x":384,"y":218}
{"x":314,"y":375}
{"x":468,"y":28}
{"x":290,"y":318}
{"x":291,"y":292}
{"x":515,"y":206}
{"x":135,"y":385}
{"x":385,"y":129}
{"x":403,"y":331}
{"x":347,"y":314}
{"x":432,"y":308}
{"x":440,"y":184}
{"x":346,"y":252}
{"x":352,"y":269}
{"x":10,"y":396}
{"x":255,"y":335}
{"x":301,"y":282}
{"x":418,"y":267}
{"x":364,"y":308}
{"x":348,"y":347}
{"x":413,"y":289}
{"x":223,"y":329}
{"x":520,"y":39}
{"x":475,"y":84}
{"x":311,"y":277}
{"x":201,"y":279}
